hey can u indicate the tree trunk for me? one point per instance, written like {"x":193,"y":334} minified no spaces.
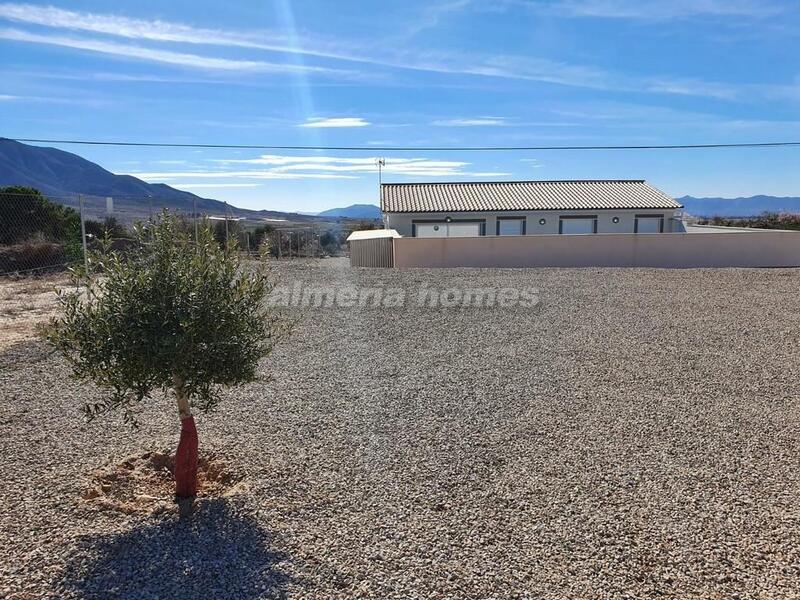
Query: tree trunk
{"x":186,"y":455}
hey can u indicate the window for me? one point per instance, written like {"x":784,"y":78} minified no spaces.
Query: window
{"x":648,"y":224}
{"x":510,"y":226}
{"x":577,"y":225}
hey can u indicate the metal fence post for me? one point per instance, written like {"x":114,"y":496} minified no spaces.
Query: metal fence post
{"x":83,"y":234}
{"x":226,"y":223}
{"x":194,"y":216}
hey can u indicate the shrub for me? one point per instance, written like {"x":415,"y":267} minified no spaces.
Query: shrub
{"x":765,"y":220}
{"x":36,"y":254}
{"x":330,"y":242}
{"x":110,"y":226}
{"x":27,"y":213}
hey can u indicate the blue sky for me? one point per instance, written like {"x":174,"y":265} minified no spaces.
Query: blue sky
{"x":447,"y":73}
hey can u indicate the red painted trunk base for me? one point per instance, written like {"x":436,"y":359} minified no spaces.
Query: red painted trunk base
{"x":186,"y":461}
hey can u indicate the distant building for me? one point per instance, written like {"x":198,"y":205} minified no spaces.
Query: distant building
{"x":517,"y":208}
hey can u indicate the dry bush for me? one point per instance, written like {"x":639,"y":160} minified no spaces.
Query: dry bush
{"x":32,"y":254}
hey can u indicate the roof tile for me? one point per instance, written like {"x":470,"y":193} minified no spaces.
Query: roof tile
{"x":523,"y":195}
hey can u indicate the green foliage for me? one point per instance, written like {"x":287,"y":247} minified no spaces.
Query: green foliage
{"x":767,"y":220}
{"x":27,"y":214}
{"x":109,"y":225}
{"x":365,"y":226}
{"x":168,"y":307}
{"x":226,"y":231}
{"x":330,"y":242}
{"x":260,"y":235}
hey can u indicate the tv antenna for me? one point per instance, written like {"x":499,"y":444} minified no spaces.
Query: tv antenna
{"x":380,"y":162}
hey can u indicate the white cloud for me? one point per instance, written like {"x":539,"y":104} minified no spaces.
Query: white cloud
{"x":276,"y":166}
{"x":279,"y":159}
{"x":533,"y":162}
{"x":72,"y":100}
{"x":335,"y":122}
{"x":191,"y":186}
{"x":524,"y":68}
{"x":401,"y":166}
{"x":432,"y":15}
{"x":154,"y":30}
{"x":255,"y":174}
{"x":694,"y":87}
{"x":473,"y":122}
{"x":657,"y":10}
{"x":162,"y":56}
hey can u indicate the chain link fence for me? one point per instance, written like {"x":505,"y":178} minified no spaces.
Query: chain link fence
{"x":40,"y":234}
{"x":36,"y":234}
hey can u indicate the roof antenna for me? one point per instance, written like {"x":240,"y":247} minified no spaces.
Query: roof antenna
{"x":381,"y":162}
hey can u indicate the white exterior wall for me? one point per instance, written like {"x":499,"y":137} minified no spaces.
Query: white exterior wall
{"x":402,"y":221}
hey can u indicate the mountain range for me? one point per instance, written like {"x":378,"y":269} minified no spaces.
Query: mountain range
{"x":62,"y":176}
{"x":354,"y":211}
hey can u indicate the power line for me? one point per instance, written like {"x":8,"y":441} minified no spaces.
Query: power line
{"x":416,"y":148}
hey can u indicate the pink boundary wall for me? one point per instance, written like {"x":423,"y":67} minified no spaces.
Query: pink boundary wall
{"x":666,"y":250}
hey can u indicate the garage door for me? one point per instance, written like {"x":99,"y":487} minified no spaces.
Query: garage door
{"x":463,"y":229}
{"x":577,"y":225}
{"x":444,"y":229}
{"x":428,"y":230}
{"x":649,"y":224}
{"x":510,"y":226}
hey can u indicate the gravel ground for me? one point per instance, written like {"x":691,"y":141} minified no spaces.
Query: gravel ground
{"x":635,"y":434}
{"x":24,"y":303}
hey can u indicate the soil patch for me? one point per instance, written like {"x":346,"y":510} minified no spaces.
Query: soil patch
{"x":145,"y":483}
{"x":25,"y":303}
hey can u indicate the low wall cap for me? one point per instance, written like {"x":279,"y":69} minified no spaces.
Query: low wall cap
{"x":372,"y":234}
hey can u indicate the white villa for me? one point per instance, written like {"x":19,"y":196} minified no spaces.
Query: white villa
{"x":517,"y":208}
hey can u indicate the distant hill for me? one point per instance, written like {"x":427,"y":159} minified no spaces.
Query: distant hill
{"x":739,"y":207}
{"x":354,"y":211}
{"x":62,"y":175}
{"x":58,"y":173}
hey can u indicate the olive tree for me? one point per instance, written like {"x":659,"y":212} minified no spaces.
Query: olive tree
{"x":170,"y":314}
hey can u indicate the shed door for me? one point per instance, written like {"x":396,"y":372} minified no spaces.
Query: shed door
{"x":577,"y":225}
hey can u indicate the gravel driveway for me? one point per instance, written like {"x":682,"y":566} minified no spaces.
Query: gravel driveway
{"x":634,"y":434}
